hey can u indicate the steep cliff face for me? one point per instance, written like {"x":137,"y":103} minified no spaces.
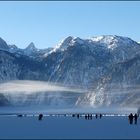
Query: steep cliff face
{"x":16,"y":66}
{"x":84,"y":62}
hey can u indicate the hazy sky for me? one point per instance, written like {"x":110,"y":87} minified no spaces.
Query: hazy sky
{"x":47,"y":23}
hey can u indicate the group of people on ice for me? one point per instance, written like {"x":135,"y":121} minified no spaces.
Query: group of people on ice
{"x":132,"y":117}
{"x":89,"y":116}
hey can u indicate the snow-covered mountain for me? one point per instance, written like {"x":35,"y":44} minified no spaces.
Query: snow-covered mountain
{"x":106,"y":66}
{"x":3,"y":45}
{"x":30,"y":49}
{"x":83,"y":62}
{"x":35,"y":53}
{"x":13,"y":48}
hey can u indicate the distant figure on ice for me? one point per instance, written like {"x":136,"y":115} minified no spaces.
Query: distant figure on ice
{"x":78,"y":116}
{"x":96,"y":116}
{"x":73,"y":115}
{"x":130,"y":118}
{"x":40,"y":116}
{"x":135,"y":118}
{"x":100,"y":116}
{"x":91,"y":116}
{"x":19,"y":115}
{"x":86,"y":116}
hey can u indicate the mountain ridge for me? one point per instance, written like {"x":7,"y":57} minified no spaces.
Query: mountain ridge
{"x":99,"y":64}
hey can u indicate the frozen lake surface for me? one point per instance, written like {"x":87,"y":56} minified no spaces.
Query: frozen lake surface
{"x":67,"y":127}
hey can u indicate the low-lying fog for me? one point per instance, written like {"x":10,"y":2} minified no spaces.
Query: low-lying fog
{"x":27,"y":87}
{"x":40,"y":93}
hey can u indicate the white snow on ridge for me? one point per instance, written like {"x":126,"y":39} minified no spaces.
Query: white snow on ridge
{"x":63,"y":45}
{"x":112,"y":41}
{"x":96,"y":39}
{"x":108,"y":41}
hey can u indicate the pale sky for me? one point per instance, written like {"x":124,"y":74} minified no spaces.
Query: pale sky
{"x":47,"y":23}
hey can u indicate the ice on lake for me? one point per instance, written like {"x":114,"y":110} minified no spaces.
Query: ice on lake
{"x":54,"y":126}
